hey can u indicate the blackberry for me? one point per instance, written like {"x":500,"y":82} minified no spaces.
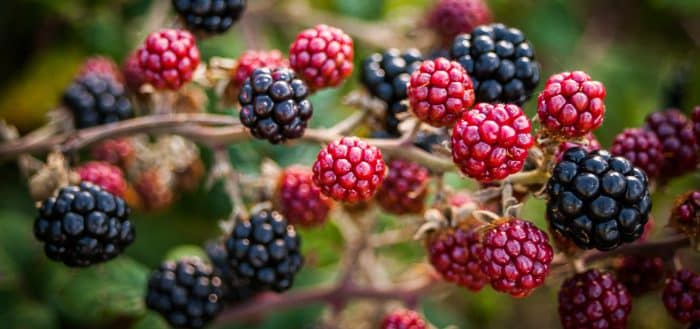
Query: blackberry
{"x":84,"y":225}
{"x":274,"y":105}
{"x":594,"y":300}
{"x":675,"y":132}
{"x":681,"y":296}
{"x":386,"y":76}
{"x":96,"y":99}
{"x":596,"y":200}
{"x":234,"y":289}
{"x":265,"y":250}
{"x":428,"y":140}
{"x":185,"y":292}
{"x":500,"y":61}
{"x":213,"y":16}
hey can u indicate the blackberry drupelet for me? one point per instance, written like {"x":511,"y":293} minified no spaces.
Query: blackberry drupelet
{"x":234,"y":289}
{"x":84,"y":225}
{"x":274,"y":105}
{"x":96,"y":99}
{"x":265,"y":250}
{"x":500,"y":62}
{"x":596,"y":200}
{"x":386,"y":76}
{"x":213,"y":16}
{"x":185,"y":293}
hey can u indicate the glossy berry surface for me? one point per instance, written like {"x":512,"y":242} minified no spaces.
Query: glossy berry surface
{"x":641,"y":274}
{"x":386,"y":76}
{"x":594,"y":300}
{"x":439,"y":90}
{"x":274,"y":105}
{"x":322,"y":56}
{"x":300,"y":201}
{"x":571,"y":104}
{"x":596,"y":200}
{"x":349,"y":170}
{"x":100,"y":65}
{"x":403,"y":319}
{"x":105,"y":175}
{"x":491,"y":142}
{"x":516,"y":257}
{"x":456,"y":255}
{"x":213,"y":16}
{"x":83,"y":225}
{"x":675,"y":132}
{"x":685,"y":216}
{"x":681,"y":296}
{"x":115,"y":151}
{"x":404,"y":189}
{"x":265,"y":251}
{"x":500,"y":62}
{"x":642,"y":148}
{"x":256,"y":59}
{"x":95,"y":100}
{"x":452,"y":17}
{"x":168,"y":58}
{"x":233,"y":289}
{"x":590,"y":144}
{"x":185,"y":293}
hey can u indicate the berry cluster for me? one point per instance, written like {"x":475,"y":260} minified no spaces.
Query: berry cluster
{"x":642,"y":148}
{"x":100,"y":65}
{"x":300,"y":201}
{"x":251,"y":60}
{"x":675,"y":132}
{"x":451,"y":17}
{"x":96,"y":99}
{"x":214,"y":16}
{"x":594,"y":300}
{"x":322,"y":56}
{"x":403,"y":319}
{"x":105,"y":175}
{"x":685,"y":216}
{"x":456,"y":255}
{"x":404,"y":189}
{"x":681,"y":296}
{"x":168,"y":58}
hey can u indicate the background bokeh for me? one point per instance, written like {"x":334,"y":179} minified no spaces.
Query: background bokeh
{"x":637,"y":48}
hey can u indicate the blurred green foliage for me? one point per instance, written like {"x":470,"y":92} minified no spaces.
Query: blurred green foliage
{"x":633,"y":46}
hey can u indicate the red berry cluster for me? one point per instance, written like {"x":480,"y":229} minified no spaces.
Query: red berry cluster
{"x":571,"y":104}
{"x":452,"y":17}
{"x":641,"y":274}
{"x":439,"y":90}
{"x":300,"y":201}
{"x":322,"y":56}
{"x":516,"y":257}
{"x":105,"y":175}
{"x":117,"y":151}
{"x":403,"y":319}
{"x":133,"y":73}
{"x":456,"y":255}
{"x":168,"y":58}
{"x":491,"y":141}
{"x":101,"y":65}
{"x":349,"y":170}
{"x":675,"y":132}
{"x":682,"y":296}
{"x":594,"y":300}
{"x":642,"y":148}
{"x":254,"y":59}
{"x":404,"y":189}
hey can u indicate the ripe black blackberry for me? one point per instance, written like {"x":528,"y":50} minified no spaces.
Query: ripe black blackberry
{"x":84,"y":225}
{"x":596,"y":200}
{"x":265,"y":250}
{"x":500,"y":61}
{"x":214,"y":16}
{"x":185,"y":293}
{"x":386,"y":77}
{"x":274,"y":105}
{"x":234,"y":289}
{"x":96,"y":99}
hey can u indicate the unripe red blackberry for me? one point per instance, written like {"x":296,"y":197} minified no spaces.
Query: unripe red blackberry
{"x":439,"y":90}
{"x":274,"y":105}
{"x":641,"y":274}
{"x":168,"y":58}
{"x":300,"y":201}
{"x":500,"y":61}
{"x":213,"y":16}
{"x":101,"y":65}
{"x":133,"y":73}
{"x":516,"y":257}
{"x":456,"y":254}
{"x":642,"y":148}
{"x":593,"y":145}
{"x":322,"y":56}
{"x":405,"y":188}
{"x":105,"y":175}
{"x":682,"y":296}
{"x":404,"y":319}
{"x":491,"y":141}
{"x":685,"y":215}
{"x":256,"y":59}
{"x":452,"y":17}
{"x":594,"y":300}
{"x":84,"y":225}
{"x":95,"y":100}
{"x":186,"y":293}
{"x":596,"y":200}
{"x":675,"y":132}
{"x":265,"y":251}
{"x":115,"y":151}
{"x":571,"y":104}
{"x":349,"y":170}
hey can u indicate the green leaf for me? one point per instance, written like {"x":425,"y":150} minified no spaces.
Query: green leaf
{"x":104,"y":293}
{"x":152,"y":320}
